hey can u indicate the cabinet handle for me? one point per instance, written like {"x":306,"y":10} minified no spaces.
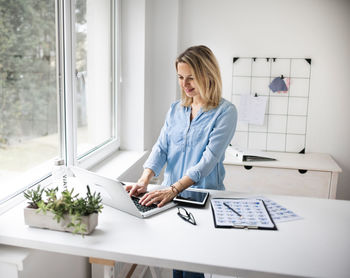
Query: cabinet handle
{"x":248,"y":167}
{"x":302,"y":171}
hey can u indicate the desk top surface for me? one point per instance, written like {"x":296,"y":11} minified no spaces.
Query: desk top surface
{"x":316,"y":246}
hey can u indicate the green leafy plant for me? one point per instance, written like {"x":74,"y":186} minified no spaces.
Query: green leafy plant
{"x":67,"y":203}
{"x":34,"y":196}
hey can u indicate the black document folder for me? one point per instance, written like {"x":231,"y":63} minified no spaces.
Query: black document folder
{"x":257,"y":158}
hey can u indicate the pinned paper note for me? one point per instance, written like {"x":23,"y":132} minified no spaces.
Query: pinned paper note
{"x":280,"y":84}
{"x":252,"y":109}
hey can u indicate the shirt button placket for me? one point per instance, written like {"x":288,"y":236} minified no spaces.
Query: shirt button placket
{"x":186,"y":135}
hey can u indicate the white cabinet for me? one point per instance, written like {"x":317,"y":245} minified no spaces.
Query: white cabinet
{"x":11,"y":260}
{"x":311,"y":175}
{"x":18,"y":262}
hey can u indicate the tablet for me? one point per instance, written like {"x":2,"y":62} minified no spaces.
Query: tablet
{"x":192,"y":198}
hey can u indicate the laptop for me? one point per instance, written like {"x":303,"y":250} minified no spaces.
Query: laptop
{"x":117,"y":197}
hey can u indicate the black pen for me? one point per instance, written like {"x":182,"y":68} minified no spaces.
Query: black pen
{"x":229,"y":207}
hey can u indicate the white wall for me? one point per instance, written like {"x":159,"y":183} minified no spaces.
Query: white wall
{"x":132,"y":73}
{"x":319,"y":29}
{"x":149,"y":48}
{"x":162,"y":51}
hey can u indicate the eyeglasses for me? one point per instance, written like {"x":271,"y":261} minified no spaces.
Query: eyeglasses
{"x":185,"y":215}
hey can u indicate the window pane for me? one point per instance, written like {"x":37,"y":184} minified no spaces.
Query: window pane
{"x":28,"y":98}
{"x":94,"y":96}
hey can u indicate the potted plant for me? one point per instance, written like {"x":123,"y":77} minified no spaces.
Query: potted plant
{"x":63,"y":212}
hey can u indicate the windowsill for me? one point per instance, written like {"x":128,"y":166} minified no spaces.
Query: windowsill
{"x":114,"y":167}
{"x":117,"y":164}
{"x":17,"y":182}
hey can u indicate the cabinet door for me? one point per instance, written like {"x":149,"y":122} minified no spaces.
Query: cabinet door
{"x":262,"y":180}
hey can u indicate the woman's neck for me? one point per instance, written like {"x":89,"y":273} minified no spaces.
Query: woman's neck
{"x":196,"y":105}
{"x":197,"y":101}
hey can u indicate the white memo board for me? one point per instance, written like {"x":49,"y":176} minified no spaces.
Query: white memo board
{"x":285,"y":122}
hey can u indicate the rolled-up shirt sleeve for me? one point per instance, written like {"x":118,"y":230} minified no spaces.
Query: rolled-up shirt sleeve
{"x":219,"y":139}
{"x":158,"y":156}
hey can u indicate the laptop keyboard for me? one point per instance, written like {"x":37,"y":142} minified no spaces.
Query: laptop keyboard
{"x":141,"y":207}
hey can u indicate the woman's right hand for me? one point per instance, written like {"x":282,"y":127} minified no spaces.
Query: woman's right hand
{"x":136,"y":189}
{"x":141,"y":185}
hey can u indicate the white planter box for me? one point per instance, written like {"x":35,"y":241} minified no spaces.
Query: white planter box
{"x":46,"y":221}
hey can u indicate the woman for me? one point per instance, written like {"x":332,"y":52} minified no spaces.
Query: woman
{"x":196,"y":133}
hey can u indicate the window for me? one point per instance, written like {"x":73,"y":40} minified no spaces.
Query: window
{"x":43,"y":117}
{"x":28,"y":114}
{"x":94,"y":86}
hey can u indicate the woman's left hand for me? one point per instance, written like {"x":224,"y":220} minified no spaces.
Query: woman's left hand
{"x":158,"y":196}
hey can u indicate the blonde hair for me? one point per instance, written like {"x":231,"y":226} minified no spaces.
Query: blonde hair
{"x":206,"y":73}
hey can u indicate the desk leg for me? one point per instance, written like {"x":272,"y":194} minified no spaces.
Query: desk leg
{"x":108,"y":266}
{"x":154,"y":272}
{"x":108,"y":271}
{"x":124,"y":270}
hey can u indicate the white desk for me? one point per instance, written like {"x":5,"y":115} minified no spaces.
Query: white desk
{"x":307,"y":247}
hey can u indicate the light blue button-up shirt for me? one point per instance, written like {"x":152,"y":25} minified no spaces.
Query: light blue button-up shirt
{"x":194,"y":148}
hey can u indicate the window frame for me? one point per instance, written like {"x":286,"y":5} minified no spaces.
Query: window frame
{"x":67,"y":88}
{"x":105,"y":149}
{"x":66,"y":91}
